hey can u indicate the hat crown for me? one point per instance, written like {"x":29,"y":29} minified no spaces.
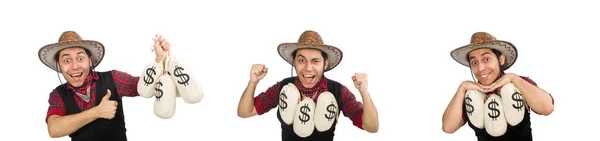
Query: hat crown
{"x":482,"y":37}
{"x":69,"y":36}
{"x":310,"y":37}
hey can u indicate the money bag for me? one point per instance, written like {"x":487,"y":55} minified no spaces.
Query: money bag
{"x":515,"y":106}
{"x":188,"y":86}
{"x":145,"y":86}
{"x":474,"y":101}
{"x":327,"y":111}
{"x":495,"y":123}
{"x":304,"y":121}
{"x":289,"y":96}
{"x":164,"y":104}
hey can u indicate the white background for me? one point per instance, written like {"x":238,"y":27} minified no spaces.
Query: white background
{"x":404,"y":47}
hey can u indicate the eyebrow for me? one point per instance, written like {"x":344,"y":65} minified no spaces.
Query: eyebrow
{"x":81,"y":52}
{"x":481,"y":55}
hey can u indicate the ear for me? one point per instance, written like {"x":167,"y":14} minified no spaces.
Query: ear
{"x":326,"y":64}
{"x":91,"y":60}
{"x":502,"y":59}
{"x":58,"y":67}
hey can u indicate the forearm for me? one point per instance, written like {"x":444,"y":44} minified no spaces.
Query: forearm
{"x":370,"y":116}
{"x":246,"y":104}
{"x":538,"y":99}
{"x":452,"y":119}
{"x":59,"y":126}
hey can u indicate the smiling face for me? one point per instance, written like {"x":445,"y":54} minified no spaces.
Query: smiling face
{"x":309,"y":64}
{"x":485,"y":65}
{"x":74,"y":64}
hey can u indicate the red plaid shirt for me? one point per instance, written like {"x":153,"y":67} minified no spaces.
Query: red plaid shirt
{"x":498,"y":91}
{"x":269,"y":99}
{"x":125,"y":83}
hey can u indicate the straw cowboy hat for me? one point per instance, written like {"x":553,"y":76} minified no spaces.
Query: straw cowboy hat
{"x":70,"y":39}
{"x":311,"y":39}
{"x":485,"y":40}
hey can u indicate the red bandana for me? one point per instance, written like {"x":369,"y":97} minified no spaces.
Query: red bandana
{"x":310,"y":92}
{"x":87,"y":83}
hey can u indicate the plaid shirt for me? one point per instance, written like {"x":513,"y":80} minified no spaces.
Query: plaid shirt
{"x":352,"y":109}
{"x":125,"y":83}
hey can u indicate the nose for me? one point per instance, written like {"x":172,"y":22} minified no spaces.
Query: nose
{"x":309,"y":67}
{"x":75,"y":66}
{"x":480,"y":67}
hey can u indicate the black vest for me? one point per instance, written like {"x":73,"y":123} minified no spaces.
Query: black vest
{"x":287,"y":131}
{"x":100,"y":129}
{"x":521,"y":132}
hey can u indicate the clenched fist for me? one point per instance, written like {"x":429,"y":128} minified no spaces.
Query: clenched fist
{"x":161,"y":47}
{"x":360,"y":82}
{"x":257,"y":72}
{"x":107,"y":108}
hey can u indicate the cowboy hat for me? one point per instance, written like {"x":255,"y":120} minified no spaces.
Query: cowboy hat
{"x":312,"y":40}
{"x":70,"y":39}
{"x":485,"y":40}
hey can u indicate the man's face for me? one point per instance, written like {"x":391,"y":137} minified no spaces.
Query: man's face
{"x":74,"y":64}
{"x":309,"y":64}
{"x":485,"y":65}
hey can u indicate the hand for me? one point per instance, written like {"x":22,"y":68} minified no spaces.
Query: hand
{"x":505,"y":79}
{"x":258,"y":72}
{"x":161,"y":47}
{"x":107,"y":108}
{"x":470,"y":85}
{"x":360,"y":82}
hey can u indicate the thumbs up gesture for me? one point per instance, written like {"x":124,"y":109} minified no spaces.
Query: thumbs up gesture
{"x":107,"y":108}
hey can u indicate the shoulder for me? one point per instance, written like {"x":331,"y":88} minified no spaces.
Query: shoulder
{"x":528,"y":79}
{"x":59,"y":88}
{"x":288,"y":80}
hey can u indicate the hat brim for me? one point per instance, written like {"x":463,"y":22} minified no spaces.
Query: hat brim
{"x":334,"y":54}
{"x":46,"y":54}
{"x":506,"y":48}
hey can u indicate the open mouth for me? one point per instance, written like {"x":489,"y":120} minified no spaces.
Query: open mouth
{"x":309,"y":78}
{"x":484,"y":76}
{"x":76,"y":76}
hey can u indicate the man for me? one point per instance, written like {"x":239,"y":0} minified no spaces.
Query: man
{"x":488,"y":58}
{"x":89,"y":106}
{"x":310,"y":58}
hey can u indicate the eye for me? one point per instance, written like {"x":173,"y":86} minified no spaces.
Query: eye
{"x":487,"y":59}
{"x":316,"y":61}
{"x":474,"y":63}
{"x":80,"y":58}
{"x":301,"y":60}
{"x":67,"y":60}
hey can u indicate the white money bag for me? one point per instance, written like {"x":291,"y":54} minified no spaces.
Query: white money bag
{"x":145,"y":86}
{"x":289,"y":96}
{"x":495,"y":123}
{"x":164,"y":104}
{"x":515,"y":106}
{"x":304,"y":121}
{"x":188,"y":86}
{"x":474,"y":105}
{"x":326,"y":111}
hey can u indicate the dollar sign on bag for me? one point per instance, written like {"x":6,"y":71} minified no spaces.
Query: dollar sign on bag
{"x":282,"y":103}
{"x":148,"y":79}
{"x":304,"y":117}
{"x":469,"y":107}
{"x":517,"y":97}
{"x":159,"y":91}
{"x":495,"y":112}
{"x":183,"y":77}
{"x":331,"y":110}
